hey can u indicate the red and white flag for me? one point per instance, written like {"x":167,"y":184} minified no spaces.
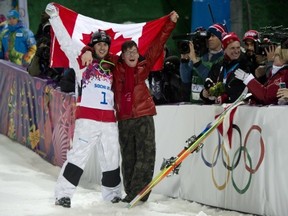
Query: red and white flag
{"x":80,"y":29}
{"x":226,"y":127}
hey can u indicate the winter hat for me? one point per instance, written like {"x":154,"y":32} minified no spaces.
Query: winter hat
{"x":13,"y":13}
{"x":251,"y":34}
{"x":217,"y":29}
{"x":2,"y":18}
{"x":229,"y":38}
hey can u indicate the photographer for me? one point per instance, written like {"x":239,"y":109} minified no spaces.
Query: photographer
{"x":39,"y":65}
{"x":255,"y":55}
{"x":194,"y":68}
{"x":270,"y":92}
{"x":165,"y":85}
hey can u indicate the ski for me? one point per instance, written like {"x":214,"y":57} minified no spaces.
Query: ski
{"x":194,"y":143}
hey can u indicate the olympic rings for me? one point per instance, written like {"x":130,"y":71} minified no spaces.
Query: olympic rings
{"x":241,"y":148}
{"x":221,"y":187}
{"x":214,"y":163}
{"x":256,"y":127}
{"x":239,"y":155}
{"x":236,"y":158}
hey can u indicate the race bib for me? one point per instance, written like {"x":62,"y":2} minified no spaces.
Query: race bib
{"x":195,"y":91}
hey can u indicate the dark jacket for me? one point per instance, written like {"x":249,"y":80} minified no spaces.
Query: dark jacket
{"x":223,"y":71}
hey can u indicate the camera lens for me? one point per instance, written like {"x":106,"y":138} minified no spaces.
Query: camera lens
{"x":184,"y":47}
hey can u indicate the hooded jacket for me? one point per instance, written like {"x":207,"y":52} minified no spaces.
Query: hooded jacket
{"x":19,"y":44}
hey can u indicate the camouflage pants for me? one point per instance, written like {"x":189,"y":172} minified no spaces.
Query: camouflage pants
{"x":137,"y":143}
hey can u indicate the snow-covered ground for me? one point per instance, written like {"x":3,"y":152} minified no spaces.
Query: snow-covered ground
{"x":27,"y":185}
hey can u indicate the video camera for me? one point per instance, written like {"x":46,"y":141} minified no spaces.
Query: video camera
{"x":43,"y":49}
{"x":271,"y":35}
{"x":198,"y":38}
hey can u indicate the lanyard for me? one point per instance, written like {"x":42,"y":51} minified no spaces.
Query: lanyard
{"x":229,"y":71}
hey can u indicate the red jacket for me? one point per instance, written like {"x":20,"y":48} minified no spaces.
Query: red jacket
{"x":266,"y":94}
{"x":142,"y":101}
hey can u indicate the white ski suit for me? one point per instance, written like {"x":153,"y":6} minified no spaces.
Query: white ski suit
{"x":95,"y":123}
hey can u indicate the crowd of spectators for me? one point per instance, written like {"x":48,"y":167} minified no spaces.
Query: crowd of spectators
{"x":240,"y":63}
{"x":20,"y":45}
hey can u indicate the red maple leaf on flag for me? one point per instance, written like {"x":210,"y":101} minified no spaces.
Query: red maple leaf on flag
{"x":86,"y":38}
{"x":117,"y":43}
{"x":80,"y":29}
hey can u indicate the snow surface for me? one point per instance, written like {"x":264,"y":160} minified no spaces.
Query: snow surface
{"x":27,"y":187}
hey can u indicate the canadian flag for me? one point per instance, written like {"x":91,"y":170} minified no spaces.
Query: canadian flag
{"x":80,"y":29}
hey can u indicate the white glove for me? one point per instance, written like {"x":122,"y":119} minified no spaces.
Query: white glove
{"x":240,"y":74}
{"x":51,"y":10}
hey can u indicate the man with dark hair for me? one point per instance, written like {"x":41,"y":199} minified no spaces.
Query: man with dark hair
{"x":251,"y":40}
{"x":95,"y":124}
{"x":135,"y":110}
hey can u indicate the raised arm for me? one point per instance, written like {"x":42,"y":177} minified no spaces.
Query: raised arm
{"x":70,"y":48}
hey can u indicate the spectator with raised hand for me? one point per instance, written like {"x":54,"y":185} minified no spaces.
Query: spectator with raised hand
{"x":95,"y":123}
{"x":194,"y":69}
{"x":269,"y":92}
{"x":19,"y":44}
{"x":135,"y":110}
{"x":255,"y":56}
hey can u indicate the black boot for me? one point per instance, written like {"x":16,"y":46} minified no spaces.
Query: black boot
{"x":64,"y":201}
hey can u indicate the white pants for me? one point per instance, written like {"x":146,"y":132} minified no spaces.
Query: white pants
{"x":87,"y":134}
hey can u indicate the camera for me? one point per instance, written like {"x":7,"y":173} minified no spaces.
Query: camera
{"x":44,"y":53}
{"x":43,"y":48}
{"x":198,"y":38}
{"x":260,"y":47}
{"x":183,"y":46}
{"x":271,"y":36}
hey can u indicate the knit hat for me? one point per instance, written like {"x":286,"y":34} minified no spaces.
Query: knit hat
{"x":100,"y":36}
{"x":229,"y":38}
{"x":13,"y":13}
{"x":2,"y":18}
{"x":217,"y":29}
{"x":251,"y":34}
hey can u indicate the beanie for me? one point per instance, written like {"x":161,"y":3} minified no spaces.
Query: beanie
{"x":229,"y":38}
{"x":2,"y":18}
{"x":13,"y":13}
{"x":251,"y":34}
{"x":100,"y":36}
{"x":217,"y":30}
